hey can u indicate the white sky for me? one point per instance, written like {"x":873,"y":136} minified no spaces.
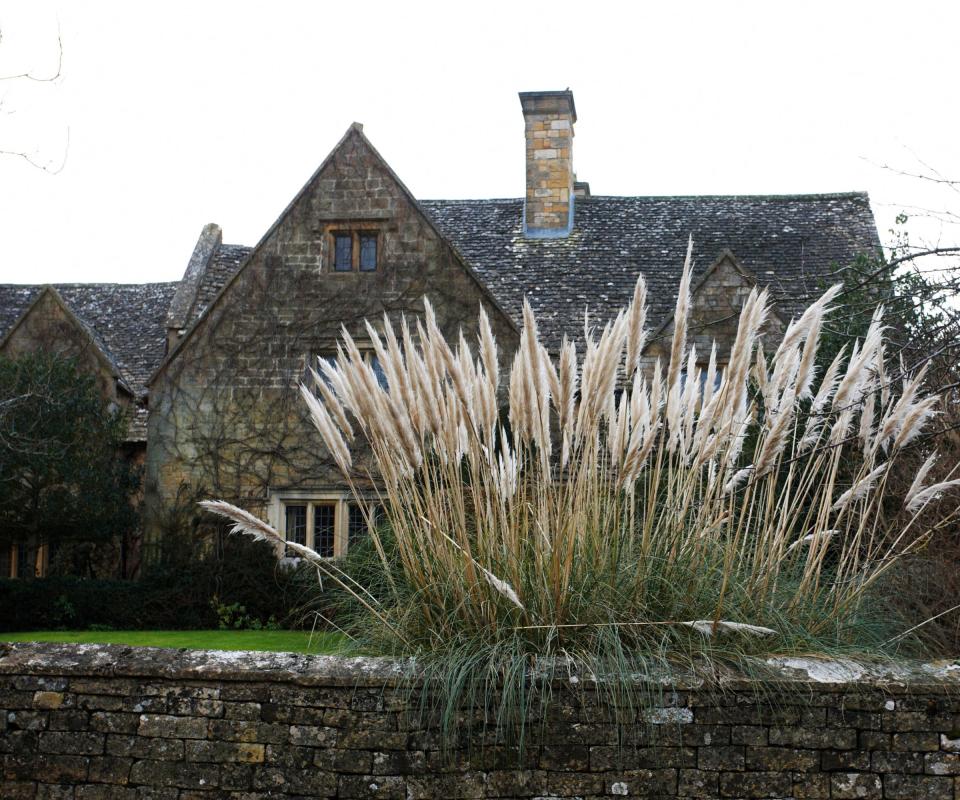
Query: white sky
{"x":178,"y":114}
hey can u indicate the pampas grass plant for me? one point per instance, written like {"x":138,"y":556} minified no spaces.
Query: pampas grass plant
{"x":616,"y":514}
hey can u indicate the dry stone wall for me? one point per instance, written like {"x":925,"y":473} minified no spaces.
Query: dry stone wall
{"x":109,"y":722}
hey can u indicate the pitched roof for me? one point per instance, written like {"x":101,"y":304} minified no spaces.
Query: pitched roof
{"x":127,"y":321}
{"x":793,"y":243}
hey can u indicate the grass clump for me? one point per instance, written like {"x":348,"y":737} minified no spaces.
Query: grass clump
{"x":619,"y":516}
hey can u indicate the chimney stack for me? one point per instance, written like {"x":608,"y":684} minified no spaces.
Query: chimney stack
{"x":548,"y":121}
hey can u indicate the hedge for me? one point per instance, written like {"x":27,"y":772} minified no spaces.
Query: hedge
{"x":169,"y":596}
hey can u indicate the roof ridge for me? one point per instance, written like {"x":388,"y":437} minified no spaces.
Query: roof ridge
{"x":87,"y":284}
{"x":797,"y":196}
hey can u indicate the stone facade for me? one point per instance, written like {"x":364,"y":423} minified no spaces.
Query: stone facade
{"x":226,"y":418}
{"x":548,"y":122}
{"x":116,"y":723}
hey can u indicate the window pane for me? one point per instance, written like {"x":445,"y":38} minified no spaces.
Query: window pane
{"x":356,"y":525}
{"x":368,"y":252}
{"x":377,"y":368}
{"x":6,"y":560}
{"x":331,"y":361}
{"x":324,"y":527}
{"x":343,"y":252}
{"x":296,"y":528}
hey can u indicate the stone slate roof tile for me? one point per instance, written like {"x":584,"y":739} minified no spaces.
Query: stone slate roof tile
{"x":226,"y":260}
{"x":128,"y":322}
{"x":793,"y":243}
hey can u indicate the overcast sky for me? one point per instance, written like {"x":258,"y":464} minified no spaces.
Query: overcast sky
{"x":168,"y":116}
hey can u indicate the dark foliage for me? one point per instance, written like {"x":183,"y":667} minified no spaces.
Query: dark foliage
{"x":63,"y":478}
{"x":184,"y":589}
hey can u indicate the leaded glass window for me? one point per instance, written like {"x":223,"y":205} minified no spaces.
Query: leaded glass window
{"x":343,"y":252}
{"x":368,"y":252}
{"x":324,"y":529}
{"x":357,"y":527}
{"x":296,"y":524}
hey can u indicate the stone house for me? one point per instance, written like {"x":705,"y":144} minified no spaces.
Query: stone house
{"x":214,"y":381}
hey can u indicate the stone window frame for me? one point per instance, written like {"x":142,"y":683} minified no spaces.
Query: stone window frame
{"x":356,"y":231}
{"x":311,"y":498}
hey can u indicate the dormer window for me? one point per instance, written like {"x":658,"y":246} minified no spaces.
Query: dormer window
{"x":355,"y":250}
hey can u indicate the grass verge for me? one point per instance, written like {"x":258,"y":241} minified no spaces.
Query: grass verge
{"x":273,"y":641}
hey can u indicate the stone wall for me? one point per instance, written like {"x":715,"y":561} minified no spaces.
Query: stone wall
{"x":96,"y":722}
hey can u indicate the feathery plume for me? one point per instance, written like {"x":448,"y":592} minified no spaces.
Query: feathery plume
{"x":812,"y":537}
{"x":708,"y":627}
{"x":679,"y":342}
{"x":860,"y":489}
{"x":636,"y":333}
{"x":924,"y":496}
{"x":917,"y":485}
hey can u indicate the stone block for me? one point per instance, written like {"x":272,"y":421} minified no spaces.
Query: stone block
{"x":27,"y":720}
{"x":71,"y":743}
{"x":380,"y":786}
{"x":769,"y":759}
{"x":105,"y":792}
{"x":796,"y":736}
{"x":313,"y":736}
{"x":110,"y":770}
{"x":732,"y":757}
{"x":48,"y":700}
{"x":399,"y":763}
{"x":220,"y":752}
{"x":906,"y":763}
{"x":99,"y":702}
{"x":359,"y":762}
{"x":917,"y":787}
{"x":748,"y":734}
{"x":68,"y":720}
{"x":243,"y":711}
{"x":755,"y":784}
{"x":156,"y":749}
{"x":942,"y":763}
{"x":113,"y":722}
{"x":811,"y":786}
{"x":174,"y":773}
{"x":698,"y":783}
{"x":915,"y":742}
{"x":844,"y":760}
{"x":169,"y":727}
{"x":461,"y":785}
{"x":855,"y":785}
{"x":43,"y":683}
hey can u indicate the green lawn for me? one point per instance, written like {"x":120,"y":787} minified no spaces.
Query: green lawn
{"x":279,"y":641}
